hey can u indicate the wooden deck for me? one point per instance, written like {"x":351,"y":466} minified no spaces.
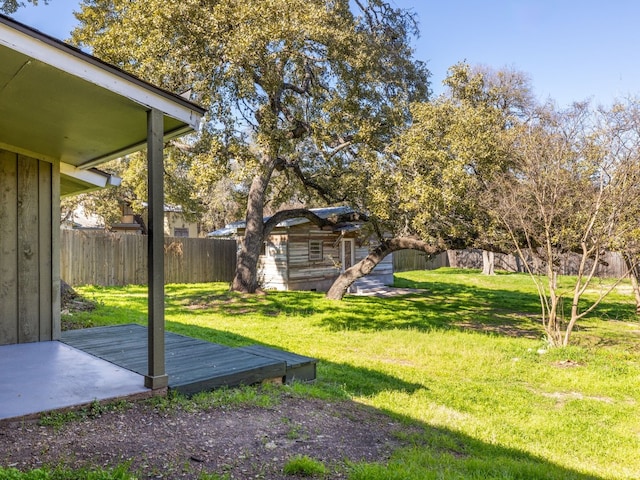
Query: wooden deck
{"x":193,"y":365}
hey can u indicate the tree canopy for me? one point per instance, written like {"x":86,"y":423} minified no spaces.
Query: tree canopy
{"x":485,"y":165}
{"x":11,"y":6}
{"x":296,"y":89}
{"x":422,"y":192}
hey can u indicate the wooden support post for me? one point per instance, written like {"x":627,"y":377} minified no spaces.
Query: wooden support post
{"x":156,"y":377}
{"x":56,"y":327}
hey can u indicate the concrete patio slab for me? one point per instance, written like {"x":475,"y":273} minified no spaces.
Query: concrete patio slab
{"x":44,"y":376}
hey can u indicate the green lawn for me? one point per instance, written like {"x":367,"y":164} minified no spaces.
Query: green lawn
{"x":466,"y":358}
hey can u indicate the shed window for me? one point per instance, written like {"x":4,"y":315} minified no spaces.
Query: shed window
{"x":315,"y":249}
{"x":180,"y":232}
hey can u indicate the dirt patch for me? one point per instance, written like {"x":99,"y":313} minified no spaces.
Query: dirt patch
{"x":513,"y":330}
{"x":563,"y":397}
{"x":243,"y":442}
{"x":566,"y":364}
{"x":72,"y":302}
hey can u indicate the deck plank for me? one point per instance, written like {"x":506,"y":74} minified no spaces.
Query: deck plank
{"x":193,"y":365}
{"x":299,"y":367}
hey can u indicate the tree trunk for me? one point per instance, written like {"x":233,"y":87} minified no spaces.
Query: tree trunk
{"x":636,"y":288}
{"x":246,"y":277}
{"x":554,"y":332}
{"x":488,"y":263}
{"x":633,"y":275}
{"x":553,"y":327}
{"x":367,"y":264}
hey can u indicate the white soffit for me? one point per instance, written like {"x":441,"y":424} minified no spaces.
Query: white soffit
{"x":88,"y":176}
{"x":75,"y":180}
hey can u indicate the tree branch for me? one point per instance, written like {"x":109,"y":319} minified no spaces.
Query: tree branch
{"x":367,"y":264}
{"x":295,"y":88}
{"x":324,"y":193}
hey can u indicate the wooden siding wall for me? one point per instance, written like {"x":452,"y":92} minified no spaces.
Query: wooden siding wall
{"x":102,"y":258}
{"x":384,"y":270}
{"x":286,"y":265}
{"x":272,"y":266}
{"x":29,"y":284}
{"x":305,"y":274}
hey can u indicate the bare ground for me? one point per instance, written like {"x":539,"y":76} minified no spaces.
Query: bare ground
{"x":242,"y":442}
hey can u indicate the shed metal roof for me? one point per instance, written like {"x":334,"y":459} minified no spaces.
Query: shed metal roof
{"x":59,"y":103}
{"x":232,"y":228}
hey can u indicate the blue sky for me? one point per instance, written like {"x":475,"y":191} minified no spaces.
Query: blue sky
{"x":571,"y":49}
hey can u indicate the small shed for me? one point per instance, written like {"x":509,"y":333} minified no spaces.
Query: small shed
{"x":63,"y":112}
{"x":299,"y":255}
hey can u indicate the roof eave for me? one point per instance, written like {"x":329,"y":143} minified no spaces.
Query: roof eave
{"x":58,"y":54}
{"x":132,"y":148}
{"x":78,"y":181}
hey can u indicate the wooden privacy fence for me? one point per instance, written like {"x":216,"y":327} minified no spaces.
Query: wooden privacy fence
{"x":102,"y":258}
{"x":407,"y":260}
{"x":612,"y":263}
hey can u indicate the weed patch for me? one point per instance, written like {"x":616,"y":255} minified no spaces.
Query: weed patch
{"x":304,"y":466}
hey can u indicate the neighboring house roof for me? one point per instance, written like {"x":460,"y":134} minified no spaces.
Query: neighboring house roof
{"x":320,"y":212}
{"x":78,"y":109}
{"x":168,"y":207}
{"x":228,"y":230}
{"x":80,"y":218}
{"x":232,"y":228}
{"x":173,"y":208}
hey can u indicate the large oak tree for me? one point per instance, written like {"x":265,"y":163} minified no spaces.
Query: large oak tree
{"x":297,"y":90}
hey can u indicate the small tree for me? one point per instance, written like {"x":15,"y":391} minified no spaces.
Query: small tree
{"x":573,"y":187}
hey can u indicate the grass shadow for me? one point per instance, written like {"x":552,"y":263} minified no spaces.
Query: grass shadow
{"x":443,"y":303}
{"x":371,"y":382}
{"x":438,"y":452}
{"x":504,"y":305}
{"x":444,"y":306}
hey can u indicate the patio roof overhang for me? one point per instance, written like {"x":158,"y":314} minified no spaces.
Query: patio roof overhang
{"x":62,"y":105}
{"x":59,"y":103}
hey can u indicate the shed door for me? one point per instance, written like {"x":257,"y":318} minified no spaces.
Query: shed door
{"x":347,"y":253}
